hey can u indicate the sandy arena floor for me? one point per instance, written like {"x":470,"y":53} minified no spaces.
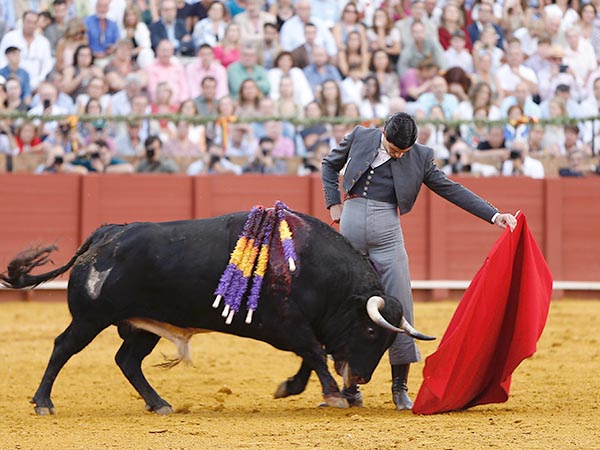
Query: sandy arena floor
{"x":225,"y":400}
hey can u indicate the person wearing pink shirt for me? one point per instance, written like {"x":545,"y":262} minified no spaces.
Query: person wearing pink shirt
{"x":206,"y":65}
{"x":166,"y":69}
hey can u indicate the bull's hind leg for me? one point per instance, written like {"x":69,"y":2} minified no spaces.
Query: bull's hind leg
{"x":71,"y":341}
{"x":295,"y":385}
{"x":137,"y":344}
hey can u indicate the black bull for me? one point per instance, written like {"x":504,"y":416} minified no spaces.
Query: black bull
{"x":156,"y":280}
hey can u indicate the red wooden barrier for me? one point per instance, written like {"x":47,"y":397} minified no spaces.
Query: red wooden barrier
{"x":443,"y":242}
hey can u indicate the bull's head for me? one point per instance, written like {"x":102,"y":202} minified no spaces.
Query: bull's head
{"x":372,"y":336}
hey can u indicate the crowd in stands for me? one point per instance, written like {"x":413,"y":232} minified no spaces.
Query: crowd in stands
{"x":269,"y":77}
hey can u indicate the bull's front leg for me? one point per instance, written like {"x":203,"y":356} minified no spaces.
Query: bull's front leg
{"x":316,"y":359}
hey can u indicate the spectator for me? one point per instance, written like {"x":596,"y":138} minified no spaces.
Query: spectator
{"x":56,"y":29}
{"x":494,"y":140}
{"x":578,"y":165}
{"x":236,"y":7}
{"x":286,"y":105}
{"x":452,"y":21}
{"x":486,"y":46}
{"x":554,"y":134}
{"x":120,"y":102}
{"x":320,"y":71}
{"x":172,"y":29}
{"x":47,"y":107}
{"x":154,"y":161}
{"x":310,"y":135}
{"x":168,"y":70}
{"x":590,"y":26}
{"x":523,"y":98}
{"x":536,"y":138}
{"x":190,"y":12}
{"x":97,"y":129}
{"x":580,"y":57}
{"x":284,"y":146}
{"x":480,"y":97}
{"x":417,"y":14}
{"x":538,"y":60}
{"x":220,"y":130}
{"x":218,"y":163}
{"x":485,"y":18}
{"x":417,"y":81}
{"x":590,"y":107}
{"x":266,"y":108}
{"x":74,"y":36}
{"x":149,"y":11}
{"x":459,"y":83}
{"x":438,"y":96}
{"x":205,"y":65}
{"x":163,"y":104}
{"x":197,"y":132}
{"x":38,"y":62}
{"x":140,"y":106}
{"x":263,"y":160}
{"x":484,"y":73}
{"x":252,"y":22}
{"x":573,"y":143}
{"x":458,"y":54}
{"x":284,"y":67}
{"x":211,"y":30}
{"x":63,"y":100}
{"x":311,"y":163}
{"x":227,"y":51}
{"x":292,"y":31}
{"x":555,"y":73}
{"x":529,"y":36}
{"x":137,"y":33}
{"x":57,"y":162}
{"x":120,"y":65}
{"x":102,"y":32}
{"x":563,"y":91}
{"x":270,"y":47}
{"x":347,"y":24}
{"x":351,"y":88}
{"x":129,"y":143}
{"x":283,"y":10}
{"x":384,"y":36}
{"x":27,"y":139}
{"x":516,"y":130}
{"x":247,"y":67}
{"x":248,"y":100}
{"x":180,"y":143}
{"x":8,"y":14}
{"x":78,"y":76}
{"x":206,"y":102}
{"x":303,"y":54}
{"x":14,"y":100}
{"x":381,"y":68}
{"x":241,"y":143}
{"x":514,"y":72}
{"x":354,"y":54}
{"x":13,"y":69}
{"x":330,"y":99}
{"x":96,"y":90}
{"x":98,"y":158}
{"x":423,"y":47}
{"x":374,"y":104}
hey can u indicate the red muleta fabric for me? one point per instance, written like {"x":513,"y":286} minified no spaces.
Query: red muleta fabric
{"x":496,"y":326}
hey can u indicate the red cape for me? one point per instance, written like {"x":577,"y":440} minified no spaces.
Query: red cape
{"x":496,"y":326}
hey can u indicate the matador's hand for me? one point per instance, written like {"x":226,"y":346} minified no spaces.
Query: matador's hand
{"x":504,"y":220}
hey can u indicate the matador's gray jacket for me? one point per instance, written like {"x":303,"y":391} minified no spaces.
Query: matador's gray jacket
{"x":359,"y":149}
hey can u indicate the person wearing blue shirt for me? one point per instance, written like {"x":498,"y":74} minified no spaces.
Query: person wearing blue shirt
{"x":102,"y":32}
{"x":320,"y":71}
{"x":12,"y":69}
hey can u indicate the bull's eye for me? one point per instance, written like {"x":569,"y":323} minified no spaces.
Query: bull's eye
{"x":371,"y":331}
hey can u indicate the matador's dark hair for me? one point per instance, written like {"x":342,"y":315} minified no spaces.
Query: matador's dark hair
{"x":401,"y":130}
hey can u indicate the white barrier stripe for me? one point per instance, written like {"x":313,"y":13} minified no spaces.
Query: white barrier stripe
{"x":415,"y":284}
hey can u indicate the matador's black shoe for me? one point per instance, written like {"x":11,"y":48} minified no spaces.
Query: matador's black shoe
{"x":399,"y":387}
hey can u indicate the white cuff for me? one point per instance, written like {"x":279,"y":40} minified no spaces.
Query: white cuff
{"x":494,"y":217}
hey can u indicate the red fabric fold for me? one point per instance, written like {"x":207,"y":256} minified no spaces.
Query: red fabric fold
{"x":496,"y":325}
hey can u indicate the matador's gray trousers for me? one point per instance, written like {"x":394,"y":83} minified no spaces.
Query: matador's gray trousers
{"x":373,"y":227}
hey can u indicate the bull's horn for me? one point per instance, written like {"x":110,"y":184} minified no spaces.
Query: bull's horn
{"x":408,"y":328}
{"x":374,"y":306}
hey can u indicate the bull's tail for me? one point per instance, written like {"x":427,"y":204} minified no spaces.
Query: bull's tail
{"x":17,"y":272}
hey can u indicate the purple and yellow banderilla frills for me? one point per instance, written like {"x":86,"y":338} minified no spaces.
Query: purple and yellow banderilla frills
{"x":250,"y":258}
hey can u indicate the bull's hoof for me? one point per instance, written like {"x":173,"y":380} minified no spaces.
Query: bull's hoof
{"x":164,"y":411}
{"x":336,"y":402}
{"x":43,"y":410}
{"x":281,"y":391}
